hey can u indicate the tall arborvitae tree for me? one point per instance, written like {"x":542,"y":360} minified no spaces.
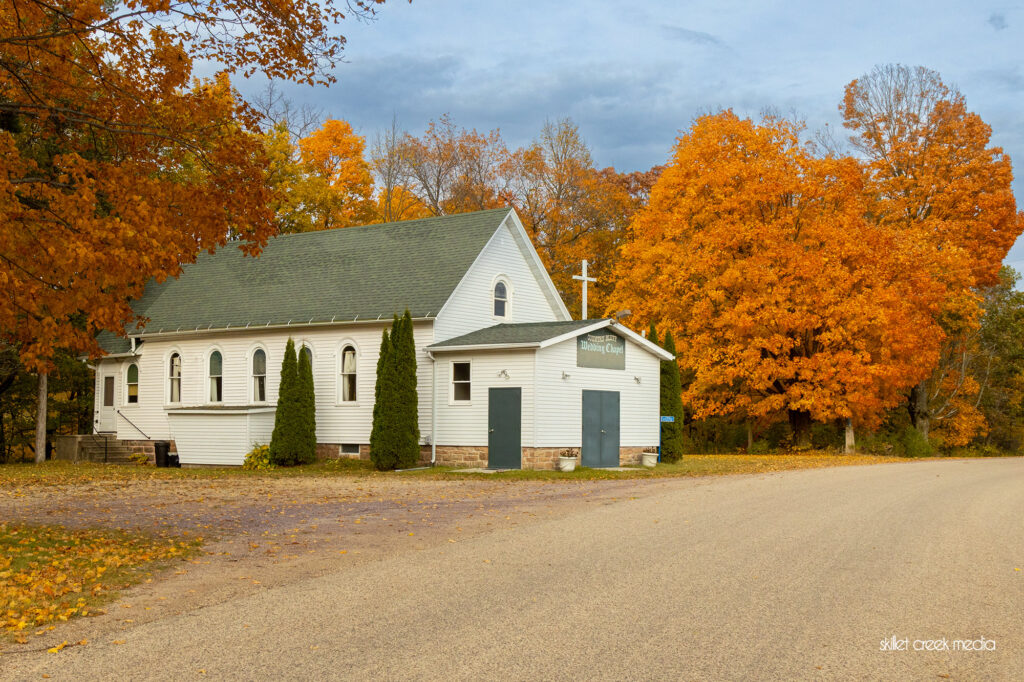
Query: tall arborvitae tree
{"x":673,"y":438}
{"x":407,"y":429}
{"x":284,"y":443}
{"x":382,"y":454}
{"x":306,"y":401}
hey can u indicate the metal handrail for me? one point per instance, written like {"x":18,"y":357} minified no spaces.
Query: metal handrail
{"x":133,"y":424}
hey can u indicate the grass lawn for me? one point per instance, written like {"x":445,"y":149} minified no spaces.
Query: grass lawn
{"x":65,"y":473}
{"x":50,"y":574}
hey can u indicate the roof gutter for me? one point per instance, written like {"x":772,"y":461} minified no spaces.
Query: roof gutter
{"x":251,"y":327}
{"x":482,"y":346}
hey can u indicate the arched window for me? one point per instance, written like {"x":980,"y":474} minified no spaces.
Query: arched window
{"x":500,"y":299}
{"x":133,"y":383}
{"x":348,"y":374}
{"x":308,"y":353}
{"x":175,"y":377}
{"x":216,"y":377}
{"x":259,"y":376}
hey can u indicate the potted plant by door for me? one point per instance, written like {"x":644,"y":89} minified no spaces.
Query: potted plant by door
{"x":649,"y":457}
{"x":567,"y":460}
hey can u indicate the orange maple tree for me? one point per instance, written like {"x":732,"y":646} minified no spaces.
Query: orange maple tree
{"x":934,"y":178}
{"x":787,"y":302}
{"x":117,"y":166}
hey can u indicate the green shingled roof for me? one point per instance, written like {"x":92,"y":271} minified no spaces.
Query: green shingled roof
{"x":343,"y":274}
{"x":113,"y":344}
{"x":522,"y":333}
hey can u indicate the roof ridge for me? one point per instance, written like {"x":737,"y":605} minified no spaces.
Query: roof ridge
{"x":393,"y":223}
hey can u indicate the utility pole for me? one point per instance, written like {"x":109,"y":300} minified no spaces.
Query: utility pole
{"x":583,"y":278}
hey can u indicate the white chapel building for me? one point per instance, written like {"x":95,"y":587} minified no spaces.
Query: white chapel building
{"x":506,"y":379}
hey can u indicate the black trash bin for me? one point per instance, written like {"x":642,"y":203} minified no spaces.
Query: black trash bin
{"x":173,"y":461}
{"x":161,"y":447}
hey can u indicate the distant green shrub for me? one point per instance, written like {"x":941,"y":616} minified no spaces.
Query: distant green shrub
{"x":914,"y":444}
{"x":760,"y":447}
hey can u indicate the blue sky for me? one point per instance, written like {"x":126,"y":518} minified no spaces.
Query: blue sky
{"x":631,"y":75}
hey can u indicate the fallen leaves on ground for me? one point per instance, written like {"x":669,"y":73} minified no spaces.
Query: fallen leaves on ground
{"x":50,"y":573}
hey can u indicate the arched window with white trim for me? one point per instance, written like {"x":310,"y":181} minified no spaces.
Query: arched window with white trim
{"x":132,"y":384}
{"x":174,"y":377}
{"x":500,"y":299}
{"x":216,"y":377}
{"x":259,"y":376}
{"x":348,"y":374}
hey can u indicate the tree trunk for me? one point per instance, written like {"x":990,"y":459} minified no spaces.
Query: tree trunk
{"x":800,"y":423}
{"x":750,"y":437}
{"x":917,"y":406}
{"x":850,"y":446}
{"x":41,"y":421}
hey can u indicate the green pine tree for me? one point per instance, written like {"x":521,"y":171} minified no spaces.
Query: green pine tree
{"x":382,"y":453}
{"x":407,"y":433}
{"x":652,"y":335}
{"x":306,"y":401}
{"x":284,"y":443}
{"x":673,"y":436}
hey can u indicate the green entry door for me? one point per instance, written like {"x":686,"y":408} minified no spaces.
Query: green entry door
{"x":600,"y":429}
{"x":504,"y":428}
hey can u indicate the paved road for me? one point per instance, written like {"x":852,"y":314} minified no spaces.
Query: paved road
{"x":797,"y":575}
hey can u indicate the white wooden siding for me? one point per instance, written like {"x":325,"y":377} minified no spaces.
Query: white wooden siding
{"x":471,"y":305}
{"x":460,"y":423}
{"x":218,"y":437}
{"x":337,"y":422}
{"x":560,"y":401}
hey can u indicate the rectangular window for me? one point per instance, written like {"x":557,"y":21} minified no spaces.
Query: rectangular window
{"x":350,"y":448}
{"x":460,"y":381}
{"x":108,"y":391}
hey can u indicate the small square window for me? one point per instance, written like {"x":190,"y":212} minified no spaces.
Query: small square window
{"x":350,"y":448}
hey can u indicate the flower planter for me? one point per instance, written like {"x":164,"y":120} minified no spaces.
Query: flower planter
{"x":566,"y":463}
{"x":649,"y":459}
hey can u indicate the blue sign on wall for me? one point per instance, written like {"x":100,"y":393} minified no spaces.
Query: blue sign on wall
{"x":668,"y":418}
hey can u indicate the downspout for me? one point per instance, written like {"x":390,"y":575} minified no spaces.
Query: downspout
{"x":433,"y":408}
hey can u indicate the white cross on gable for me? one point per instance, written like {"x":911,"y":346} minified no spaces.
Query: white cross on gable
{"x":583,"y":278}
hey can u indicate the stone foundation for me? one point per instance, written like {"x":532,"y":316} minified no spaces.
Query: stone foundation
{"x":541,"y":458}
{"x":470,"y":456}
{"x":630,"y":456}
{"x":532,"y":458}
{"x":333,"y":451}
{"x":148,"y":448}
{"x":460,"y":456}
{"x":104,"y":448}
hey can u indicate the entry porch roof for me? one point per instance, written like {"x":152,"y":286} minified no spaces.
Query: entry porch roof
{"x":539,"y":335}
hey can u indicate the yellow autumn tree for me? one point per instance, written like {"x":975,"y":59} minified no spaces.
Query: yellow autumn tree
{"x":784,"y":299}
{"x":334,"y":187}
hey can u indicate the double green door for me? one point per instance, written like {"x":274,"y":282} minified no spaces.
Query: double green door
{"x":600,"y":429}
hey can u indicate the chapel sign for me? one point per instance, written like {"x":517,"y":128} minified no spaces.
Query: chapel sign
{"x":602,"y":350}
